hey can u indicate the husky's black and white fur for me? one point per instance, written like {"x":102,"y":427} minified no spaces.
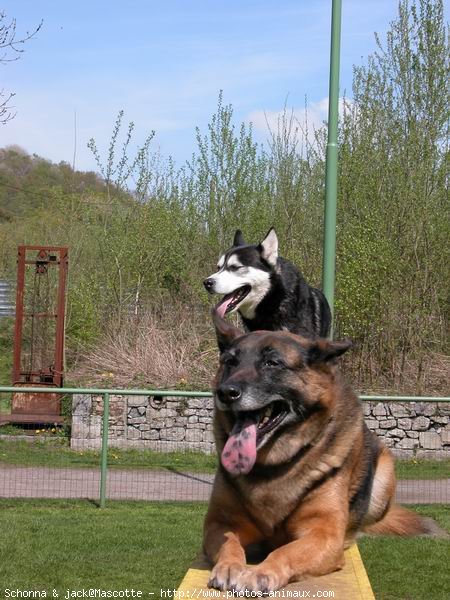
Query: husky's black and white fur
{"x":268,"y":291}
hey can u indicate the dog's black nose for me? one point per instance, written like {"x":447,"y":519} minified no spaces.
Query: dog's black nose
{"x":209,"y":284}
{"x":229,"y":393}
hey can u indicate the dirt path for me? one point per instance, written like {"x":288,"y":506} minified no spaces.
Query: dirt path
{"x":127,"y":484}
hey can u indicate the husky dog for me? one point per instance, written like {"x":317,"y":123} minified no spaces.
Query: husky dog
{"x":268,"y":291}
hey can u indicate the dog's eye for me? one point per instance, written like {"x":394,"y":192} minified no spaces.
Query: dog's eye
{"x":228,"y":359}
{"x":272,"y":362}
{"x":234,"y":268}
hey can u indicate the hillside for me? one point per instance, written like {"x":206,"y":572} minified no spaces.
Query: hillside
{"x":26,"y":180}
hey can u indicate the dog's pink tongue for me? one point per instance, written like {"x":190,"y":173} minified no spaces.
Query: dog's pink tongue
{"x":239,"y":453}
{"x":222,"y":306}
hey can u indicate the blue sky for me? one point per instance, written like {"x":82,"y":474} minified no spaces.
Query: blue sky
{"x":165,"y":62}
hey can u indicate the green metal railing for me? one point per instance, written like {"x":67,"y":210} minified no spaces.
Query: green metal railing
{"x":106,"y":393}
{"x":104,"y":458}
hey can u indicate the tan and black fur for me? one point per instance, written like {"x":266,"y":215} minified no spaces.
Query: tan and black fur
{"x":319,"y":477}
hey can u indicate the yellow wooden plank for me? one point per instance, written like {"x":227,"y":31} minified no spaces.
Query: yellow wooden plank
{"x":354,"y":555}
{"x":350,"y":583}
{"x":195,"y":579}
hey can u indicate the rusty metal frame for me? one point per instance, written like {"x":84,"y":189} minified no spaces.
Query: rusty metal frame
{"x":57,"y":375}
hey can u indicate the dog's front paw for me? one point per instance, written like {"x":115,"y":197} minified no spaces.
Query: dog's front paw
{"x":258,"y":580}
{"x":225,"y":575}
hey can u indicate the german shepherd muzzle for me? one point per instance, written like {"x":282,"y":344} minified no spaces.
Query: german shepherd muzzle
{"x":299,"y":470}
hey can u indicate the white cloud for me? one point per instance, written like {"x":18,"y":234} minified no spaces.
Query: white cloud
{"x":314,"y":114}
{"x":308,"y":119}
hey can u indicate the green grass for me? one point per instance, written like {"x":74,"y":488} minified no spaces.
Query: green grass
{"x":55,"y":544}
{"x":422,"y":469}
{"x":6,"y":352}
{"x":49,"y":545}
{"x":56,"y":453}
{"x":5,"y":404}
{"x":412,"y":568}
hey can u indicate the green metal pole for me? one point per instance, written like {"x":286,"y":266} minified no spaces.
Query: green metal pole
{"x":329,"y":243}
{"x":104,"y":457}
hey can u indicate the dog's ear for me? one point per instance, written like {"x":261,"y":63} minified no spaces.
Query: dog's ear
{"x":238,"y":238}
{"x":269,"y":247}
{"x":324,"y":350}
{"x":226,"y":332}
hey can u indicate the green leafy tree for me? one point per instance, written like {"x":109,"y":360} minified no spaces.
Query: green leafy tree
{"x":393,"y":218}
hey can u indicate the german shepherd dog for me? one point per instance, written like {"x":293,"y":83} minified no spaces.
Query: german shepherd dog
{"x":268,"y":291}
{"x":299,"y":470}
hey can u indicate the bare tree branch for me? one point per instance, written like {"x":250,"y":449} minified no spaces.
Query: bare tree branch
{"x":11,"y":47}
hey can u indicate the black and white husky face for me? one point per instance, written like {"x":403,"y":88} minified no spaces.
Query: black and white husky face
{"x":243,"y":275}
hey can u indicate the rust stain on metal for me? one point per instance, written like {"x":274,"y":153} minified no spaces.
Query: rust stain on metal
{"x":43,"y":262}
{"x":36,"y":405}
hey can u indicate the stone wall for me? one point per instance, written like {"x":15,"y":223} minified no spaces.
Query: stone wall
{"x":162,"y":424}
{"x":410,"y":429}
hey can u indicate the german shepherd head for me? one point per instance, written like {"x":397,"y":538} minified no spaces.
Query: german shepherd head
{"x":268,"y":384}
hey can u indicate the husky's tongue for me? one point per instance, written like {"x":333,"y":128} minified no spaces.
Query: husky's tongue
{"x":221,"y":308}
{"x":239,"y":453}
{"x":230,"y":301}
